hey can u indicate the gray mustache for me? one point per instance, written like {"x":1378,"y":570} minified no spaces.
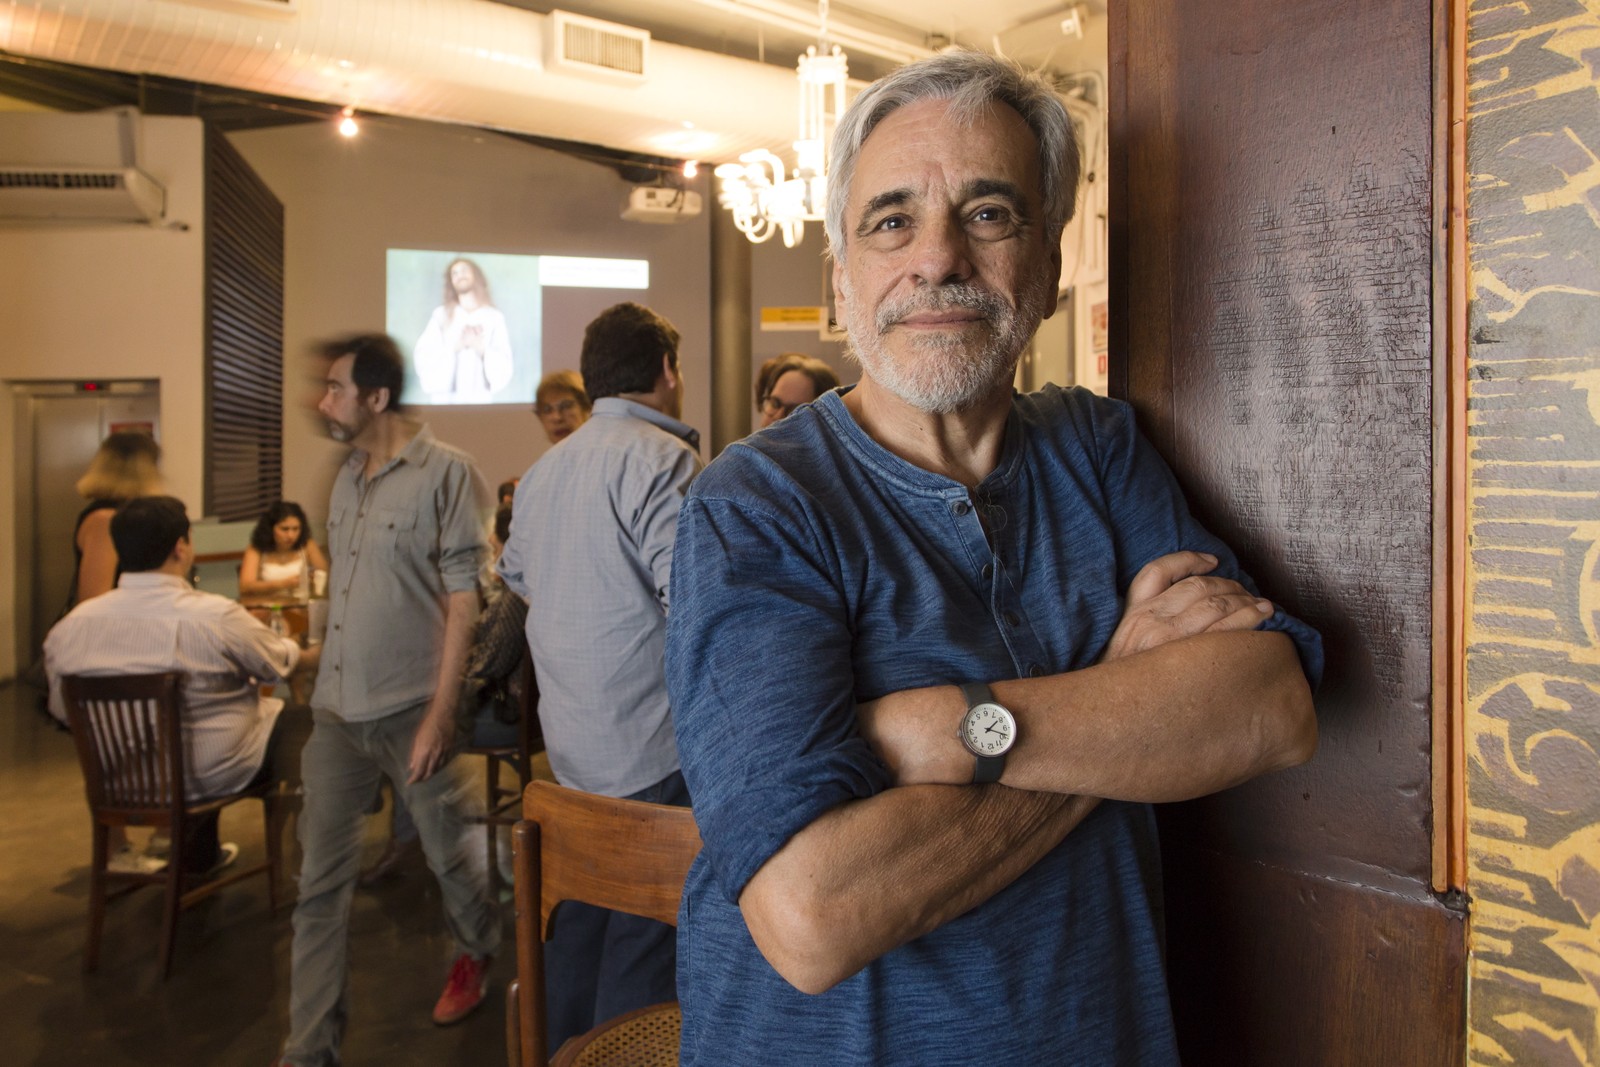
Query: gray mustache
{"x":945,"y":298}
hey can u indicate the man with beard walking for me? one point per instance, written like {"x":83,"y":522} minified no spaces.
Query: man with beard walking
{"x":936,"y":647}
{"x":405,"y":542}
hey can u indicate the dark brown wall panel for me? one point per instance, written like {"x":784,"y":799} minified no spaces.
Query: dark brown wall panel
{"x":1338,"y":974}
{"x":1272,"y":289}
{"x":244,"y":336}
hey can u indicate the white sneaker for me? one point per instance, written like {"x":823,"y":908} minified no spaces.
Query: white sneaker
{"x":128,"y":860}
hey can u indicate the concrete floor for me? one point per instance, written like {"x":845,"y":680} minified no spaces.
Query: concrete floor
{"x":226,"y":1003}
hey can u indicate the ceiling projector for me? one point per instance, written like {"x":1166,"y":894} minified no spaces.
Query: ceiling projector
{"x":661,"y":203}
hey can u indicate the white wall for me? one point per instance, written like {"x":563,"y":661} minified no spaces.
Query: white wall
{"x":406,"y":184}
{"x":112,"y":301}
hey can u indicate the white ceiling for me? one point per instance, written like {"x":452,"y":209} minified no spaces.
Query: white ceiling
{"x":1025,"y":29}
{"x":721,"y":71}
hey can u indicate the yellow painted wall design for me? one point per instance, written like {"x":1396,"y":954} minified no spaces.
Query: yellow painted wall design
{"x":1533,"y":639}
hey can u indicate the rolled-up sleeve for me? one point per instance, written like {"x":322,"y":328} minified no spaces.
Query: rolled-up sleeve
{"x":759,"y":669}
{"x":462,"y":549}
{"x":253,"y":647}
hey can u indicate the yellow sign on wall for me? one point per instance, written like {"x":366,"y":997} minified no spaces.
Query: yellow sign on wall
{"x":798,"y":319}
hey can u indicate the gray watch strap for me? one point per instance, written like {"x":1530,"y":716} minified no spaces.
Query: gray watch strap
{"x":987,"y":768}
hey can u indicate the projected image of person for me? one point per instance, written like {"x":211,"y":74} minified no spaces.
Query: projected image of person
{"x":464,"y":354}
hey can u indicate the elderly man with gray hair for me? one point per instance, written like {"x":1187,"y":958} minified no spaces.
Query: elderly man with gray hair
{"x":936,"y":647}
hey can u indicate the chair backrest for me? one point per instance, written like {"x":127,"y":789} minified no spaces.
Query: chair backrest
{"x":127,"y":731}
{"x":620,"y":854}
{"x":625,"y":855}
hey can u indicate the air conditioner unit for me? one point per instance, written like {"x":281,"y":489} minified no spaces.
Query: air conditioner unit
{"x":80,"y":194}
{"x":593,"y":48}
{"x":79,"y":167}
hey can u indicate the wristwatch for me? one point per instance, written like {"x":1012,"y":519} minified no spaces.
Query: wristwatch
{"x":988,"y":730}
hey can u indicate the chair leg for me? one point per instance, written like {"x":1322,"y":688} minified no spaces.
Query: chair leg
{"x":513,"y":1034}
{"x":491,"y":801}
{"x":98,"y":857}
{"x":272,"y":815}
{"x":174,"y":899}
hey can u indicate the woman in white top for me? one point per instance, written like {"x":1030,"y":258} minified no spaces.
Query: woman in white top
{"x":281,"y":551}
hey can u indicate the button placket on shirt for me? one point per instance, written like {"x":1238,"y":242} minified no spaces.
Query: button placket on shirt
{"x":1001,"y":596}
{"x":971,"y":529}
{"x":1004,"y":603}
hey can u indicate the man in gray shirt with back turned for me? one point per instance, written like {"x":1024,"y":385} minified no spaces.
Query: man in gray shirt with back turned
{"x":591,"y":550}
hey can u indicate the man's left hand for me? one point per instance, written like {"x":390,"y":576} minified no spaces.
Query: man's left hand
{"x":431,"y":748}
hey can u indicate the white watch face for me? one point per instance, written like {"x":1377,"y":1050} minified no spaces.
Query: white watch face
{"x":988,"y":729}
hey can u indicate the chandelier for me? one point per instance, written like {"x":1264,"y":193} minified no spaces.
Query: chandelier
{"x":762,"y":200}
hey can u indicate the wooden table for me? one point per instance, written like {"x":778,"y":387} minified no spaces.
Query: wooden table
{"x":296,"y":623}
{"x":296,"y":613}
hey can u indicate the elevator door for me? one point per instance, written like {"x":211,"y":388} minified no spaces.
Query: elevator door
{"x":67,"y":425}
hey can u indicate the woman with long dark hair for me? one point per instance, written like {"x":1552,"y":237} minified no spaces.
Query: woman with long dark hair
{"x":282,"y":555}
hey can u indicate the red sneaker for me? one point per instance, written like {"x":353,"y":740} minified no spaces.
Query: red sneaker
{"x":464,"y":990}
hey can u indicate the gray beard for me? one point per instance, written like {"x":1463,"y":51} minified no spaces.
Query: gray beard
{"x":943,"y":374}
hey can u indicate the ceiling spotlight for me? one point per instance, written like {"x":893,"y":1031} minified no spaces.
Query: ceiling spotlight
{"x":348,"y":126}
{"x":691,"y":167}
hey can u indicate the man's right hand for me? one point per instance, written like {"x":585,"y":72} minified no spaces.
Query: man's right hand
{"x":1176,"y":596}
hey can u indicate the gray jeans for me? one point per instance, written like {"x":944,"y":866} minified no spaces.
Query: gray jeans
{"x":341,"y":767}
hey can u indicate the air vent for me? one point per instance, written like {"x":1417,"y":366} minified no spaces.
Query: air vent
{"x":55,"y":179}
{"x":80,"y":195}
{"x":592,"y":48}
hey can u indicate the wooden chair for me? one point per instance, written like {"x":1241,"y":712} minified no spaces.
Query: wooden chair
{"x":620,"y":854}
{"x":500,"y":801}
{"x":129,"y":738}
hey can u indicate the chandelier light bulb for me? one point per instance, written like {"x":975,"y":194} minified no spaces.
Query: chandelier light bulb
{"x":348,"y":126}
{"x":763,"y":197}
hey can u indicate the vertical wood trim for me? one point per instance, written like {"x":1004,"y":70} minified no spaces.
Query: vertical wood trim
{"x":1452,"y":274}
{"x":1117,"y":199}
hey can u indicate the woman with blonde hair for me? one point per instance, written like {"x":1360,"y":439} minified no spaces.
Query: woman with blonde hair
{"x":125,"y":467}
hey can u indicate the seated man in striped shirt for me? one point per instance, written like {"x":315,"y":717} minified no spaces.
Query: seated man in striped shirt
{"x":155,"y":621}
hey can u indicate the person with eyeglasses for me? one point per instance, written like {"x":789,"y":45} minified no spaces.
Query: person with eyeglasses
{"x":562,"y":404}
{"x":786,"y":381}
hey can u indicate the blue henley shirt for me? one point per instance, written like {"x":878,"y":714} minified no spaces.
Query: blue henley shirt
{"x":815,"y":569}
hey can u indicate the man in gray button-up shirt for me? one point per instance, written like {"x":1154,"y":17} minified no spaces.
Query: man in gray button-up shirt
{"x":405,"y":545}
{"x":591,"y":549}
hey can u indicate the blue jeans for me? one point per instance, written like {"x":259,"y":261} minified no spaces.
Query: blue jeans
{"x":599,"y":963}
{"x":341,"y":766}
